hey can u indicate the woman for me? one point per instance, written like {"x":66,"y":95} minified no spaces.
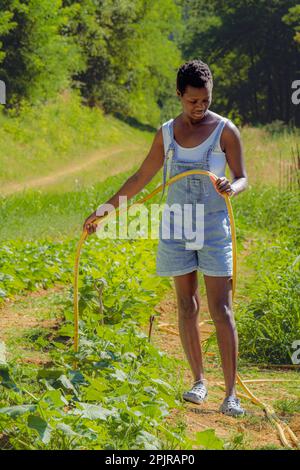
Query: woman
{"x":200,"y":139}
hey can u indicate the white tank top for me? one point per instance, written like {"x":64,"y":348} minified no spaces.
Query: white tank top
{"x":217,"y":159}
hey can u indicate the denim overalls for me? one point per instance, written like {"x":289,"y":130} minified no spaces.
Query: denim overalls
{"x":213,"y":255}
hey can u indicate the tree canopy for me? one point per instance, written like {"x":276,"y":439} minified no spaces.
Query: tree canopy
{"x":123,"y":55}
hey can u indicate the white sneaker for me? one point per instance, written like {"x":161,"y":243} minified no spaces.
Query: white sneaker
{"x":231,"y":407}
{"x":197,"y":394}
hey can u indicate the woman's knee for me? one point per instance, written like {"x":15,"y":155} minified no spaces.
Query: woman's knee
{"x":188,"y":306}
{"x":222,"y":313}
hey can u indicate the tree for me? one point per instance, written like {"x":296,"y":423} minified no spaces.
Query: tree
{"x":292,"y":18}
{"x":39,"y":59}
{"x":251,"y":53}
{"x":130,"y":52}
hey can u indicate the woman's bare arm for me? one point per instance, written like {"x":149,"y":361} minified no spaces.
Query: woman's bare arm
{"x":148,"y":169}
{"x":232,"y":145}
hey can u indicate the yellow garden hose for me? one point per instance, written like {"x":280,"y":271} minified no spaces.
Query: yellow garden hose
{"x":268,"y":410}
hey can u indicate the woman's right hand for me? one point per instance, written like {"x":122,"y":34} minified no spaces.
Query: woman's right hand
{"x":89,"y":224}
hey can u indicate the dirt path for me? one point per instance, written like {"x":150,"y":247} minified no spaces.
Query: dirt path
{"x":68,"y":170}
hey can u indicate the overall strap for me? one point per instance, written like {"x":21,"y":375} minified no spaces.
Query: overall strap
{"x":169,"y":146}
{"x":217,"y":135}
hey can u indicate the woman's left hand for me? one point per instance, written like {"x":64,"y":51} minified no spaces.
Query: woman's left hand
{"x":223,"y":185}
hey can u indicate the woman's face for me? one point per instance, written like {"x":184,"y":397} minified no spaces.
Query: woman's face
{"x":195,"y":101}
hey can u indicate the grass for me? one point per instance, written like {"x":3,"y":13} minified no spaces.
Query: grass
{"x":263,"y":151}
{"x":288,"y":406}
{"x":269,"y":320}
{"x":46,"y":138}
{"x":35,"y":215}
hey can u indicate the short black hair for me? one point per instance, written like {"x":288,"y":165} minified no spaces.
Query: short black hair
{"x":194,"y":73}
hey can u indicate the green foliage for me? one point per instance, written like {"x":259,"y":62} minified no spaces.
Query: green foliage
{"x":261,"y":207}
{"x":208,"y":440}
{"x":276,"y":127}
{"x":287,"y":406}
{"x":130,"y":56}
{"x":249,"y":49}
{"x":5,"y":26}
{"x":30,"y":266}
{"x":42,"y":139}
{"x":292,"y":18}
{"x":123,"y":56}
{"x":117,"y":398}
{"x":39,"y":59}
{"x":237,"y":442}
{"x":123,"y":387}
{"x":269,"y":323}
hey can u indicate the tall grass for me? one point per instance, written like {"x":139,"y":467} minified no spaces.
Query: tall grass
{"x":264,"y":149}
{"x":270,"y":323}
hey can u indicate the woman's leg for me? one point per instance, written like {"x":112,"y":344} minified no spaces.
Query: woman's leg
{"x":188,"y":301}
{"x":219,"y":297}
